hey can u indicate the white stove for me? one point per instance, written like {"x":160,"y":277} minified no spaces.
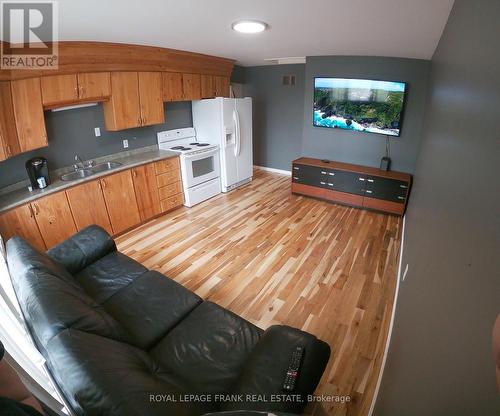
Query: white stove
{"x":200,"y":165}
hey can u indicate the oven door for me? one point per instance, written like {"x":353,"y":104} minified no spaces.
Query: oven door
{"x":200,"y":167}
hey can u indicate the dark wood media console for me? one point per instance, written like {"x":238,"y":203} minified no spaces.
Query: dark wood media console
{"x":355,"y":185}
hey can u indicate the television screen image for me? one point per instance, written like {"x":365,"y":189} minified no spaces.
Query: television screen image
{"x":359,"y":105}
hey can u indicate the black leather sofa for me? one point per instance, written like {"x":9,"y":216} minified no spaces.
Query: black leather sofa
{"x":123,"y":340}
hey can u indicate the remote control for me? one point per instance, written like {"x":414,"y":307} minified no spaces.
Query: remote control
{"x":292,"y":373}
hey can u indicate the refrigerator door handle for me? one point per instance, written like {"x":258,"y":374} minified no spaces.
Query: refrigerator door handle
{"x":236,"y":118}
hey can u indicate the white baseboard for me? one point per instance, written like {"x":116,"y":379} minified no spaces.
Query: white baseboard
{"x":391,"y":324}
{"x":280,"y":171}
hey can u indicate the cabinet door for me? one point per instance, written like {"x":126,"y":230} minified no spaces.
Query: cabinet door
{"x":96,"y":85}
{"x":191,"y":86}
{"x":120,"y":200}
{"x":222,"y":86}
{"x":172,"y":86}
{"x":146,"y":191}
{"x":122,"y":111}
{"x":21,"y":221}
{"x":208,"y":86}
{"x":387,"y":189}
{"x":9,"y":143}
{"x":28,"y":113}
{"x":59,"y":89}
{"x":150,"y":92}
{"x":54,"y":218}
{"x":349,"y":182}
{"x":87,"y":205}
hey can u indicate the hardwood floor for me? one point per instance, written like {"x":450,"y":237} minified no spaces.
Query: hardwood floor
{"x":276,"y":258}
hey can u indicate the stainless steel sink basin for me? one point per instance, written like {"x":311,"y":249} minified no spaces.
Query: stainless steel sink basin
{"x":101,"y":167}
{"x":84,"y":173}
{"x":78,"y":174}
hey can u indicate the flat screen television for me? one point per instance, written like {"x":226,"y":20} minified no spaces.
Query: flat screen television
{"x":359,"y":105}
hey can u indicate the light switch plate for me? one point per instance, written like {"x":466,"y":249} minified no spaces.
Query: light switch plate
{"x":125,"y":143}
{"x":97,"y":131}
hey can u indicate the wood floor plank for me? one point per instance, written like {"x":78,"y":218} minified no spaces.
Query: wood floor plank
{"x":277,"y":258}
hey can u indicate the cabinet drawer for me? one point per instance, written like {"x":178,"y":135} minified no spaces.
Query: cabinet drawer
{"x":349,"y":182}
{"x":386,"y":189}
{"x":170,"y":190}
{"x":172,"y":202}
{"x":166,"y":165}
{"x":309,"y":175}
{"x":168,"y":178}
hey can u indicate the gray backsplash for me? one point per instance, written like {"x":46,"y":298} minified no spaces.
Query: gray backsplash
{"x":71,"y":132}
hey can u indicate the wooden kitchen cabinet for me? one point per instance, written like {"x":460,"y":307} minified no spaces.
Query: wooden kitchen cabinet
{"x":172,"y":86}
{"x":123,"y":110}
{"x":54,"y":218}
{"x":222,"y":86}
{"x":9,"y":143}
{"x":146,"y":191}
{"x":207,"y":86}
{"x":28,"y":113}
{"x":21,"y":221}
{"x":59,"y":89}
{"x":191,"y":86}
{"x":150,"y":98}
{"x":94,"y":85}
{"x":87,"y":205}
{"x":119,"y":194}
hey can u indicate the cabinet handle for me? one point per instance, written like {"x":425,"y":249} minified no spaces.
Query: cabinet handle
{"x":322,"y":183}
{"x":139,"y":121}
{"x":331,"y":173}
{"x":362,"y":179}
{"x":403,"y":186}
{"x":330,"y":184}
{"x":368,"y":191}
{"x":323,"y":172}
{"x":401,"y":197}
{"x":8,"y":150}
{"x":99,"y":184}
{"x":32,"y":214}
{"x":103,"y":183}
{"x":37,"y":209}
{"x":296,"y":168}
{"x":134,"y":172}
{"x":296,"y":178}
{"x":371,"y":180}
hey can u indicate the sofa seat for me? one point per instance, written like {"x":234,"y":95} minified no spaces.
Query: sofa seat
{"x":120,"y":339}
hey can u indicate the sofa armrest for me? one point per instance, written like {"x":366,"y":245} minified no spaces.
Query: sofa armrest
{"x":83,"y":248}
{"x":264,"y":372}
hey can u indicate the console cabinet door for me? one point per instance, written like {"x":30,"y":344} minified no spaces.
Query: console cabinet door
{"x":88,"y":207}
{"x":54,"y":218}
{"x":349,"y":182}
{"x":94,"y":85}
{"x":172,"y":86}
{"x":21,"y":221}
{"x":151,"y":101}
{"x":123,"y":111}
{"x":28,"y":113}
{"x":146,"y":191}
{"x":386,"y":189}
{"x":119,"y":194}
{"x":59,"y":89}
{"x":9,"y":142}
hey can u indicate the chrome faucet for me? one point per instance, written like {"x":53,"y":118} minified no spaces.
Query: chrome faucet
{"x":78,"y":159}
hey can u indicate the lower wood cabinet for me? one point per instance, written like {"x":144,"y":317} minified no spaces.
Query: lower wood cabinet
{"x":146,"y":191}
{"x":21,"y":221}
{"x":88,"y":207}
{"x":54,"y":219}
{"x":121,"y":203}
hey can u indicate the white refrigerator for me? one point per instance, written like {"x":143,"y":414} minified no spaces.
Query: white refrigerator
{"x":228,"y":123}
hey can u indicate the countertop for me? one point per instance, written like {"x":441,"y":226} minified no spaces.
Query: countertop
{"x":11,"y":198}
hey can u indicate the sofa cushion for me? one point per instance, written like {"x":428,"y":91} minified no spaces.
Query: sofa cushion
{"x":150,"y":306}
{"x":51,"y":300}
{"x":208,"y":348}
{"x":99,"y":376}
{"x":103,"y":278}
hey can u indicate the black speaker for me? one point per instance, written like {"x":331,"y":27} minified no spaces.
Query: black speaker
{"x":385,"y":163}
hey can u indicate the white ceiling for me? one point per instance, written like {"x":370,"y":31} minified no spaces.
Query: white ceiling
{"x":398,"y":28}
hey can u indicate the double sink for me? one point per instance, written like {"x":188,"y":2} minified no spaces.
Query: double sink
{"x":89,"y":171}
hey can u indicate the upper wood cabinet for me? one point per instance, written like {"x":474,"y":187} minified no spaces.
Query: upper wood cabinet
{"x":191,"y":86}
{"x":146,"y":191}
{"x":21,"y":221}
{"x":54,"y":219}
{"x":9,"y":143}
{"x":66,"y":89}
{"x":222,"y":86}
{"x":87,"y":205}
{"x":172,"y":86}
{"x":119,"y":194}
{"x":28,"y":113}
{"x":94,"y":85}
{"x":150,"y":98}
{"x":125,"y":109}
{"x":208,"y":86}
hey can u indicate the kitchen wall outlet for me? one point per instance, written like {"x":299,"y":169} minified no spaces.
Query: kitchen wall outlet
{"x":125,"y":143}
{"x":97,"y":131}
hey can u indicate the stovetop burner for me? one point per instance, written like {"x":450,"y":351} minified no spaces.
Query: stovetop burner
{"x":203,"y":144}
{"x":177,"y":147}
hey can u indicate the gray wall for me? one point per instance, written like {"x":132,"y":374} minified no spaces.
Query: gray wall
{"x":71,"y":132}
{"x":440,"y":360}
{"x":283,"y":127}
{"x":277,"y":113}
{"x":358,"y":147}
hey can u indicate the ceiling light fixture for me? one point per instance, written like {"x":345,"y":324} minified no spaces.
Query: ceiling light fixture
{"x":249,"y":26}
